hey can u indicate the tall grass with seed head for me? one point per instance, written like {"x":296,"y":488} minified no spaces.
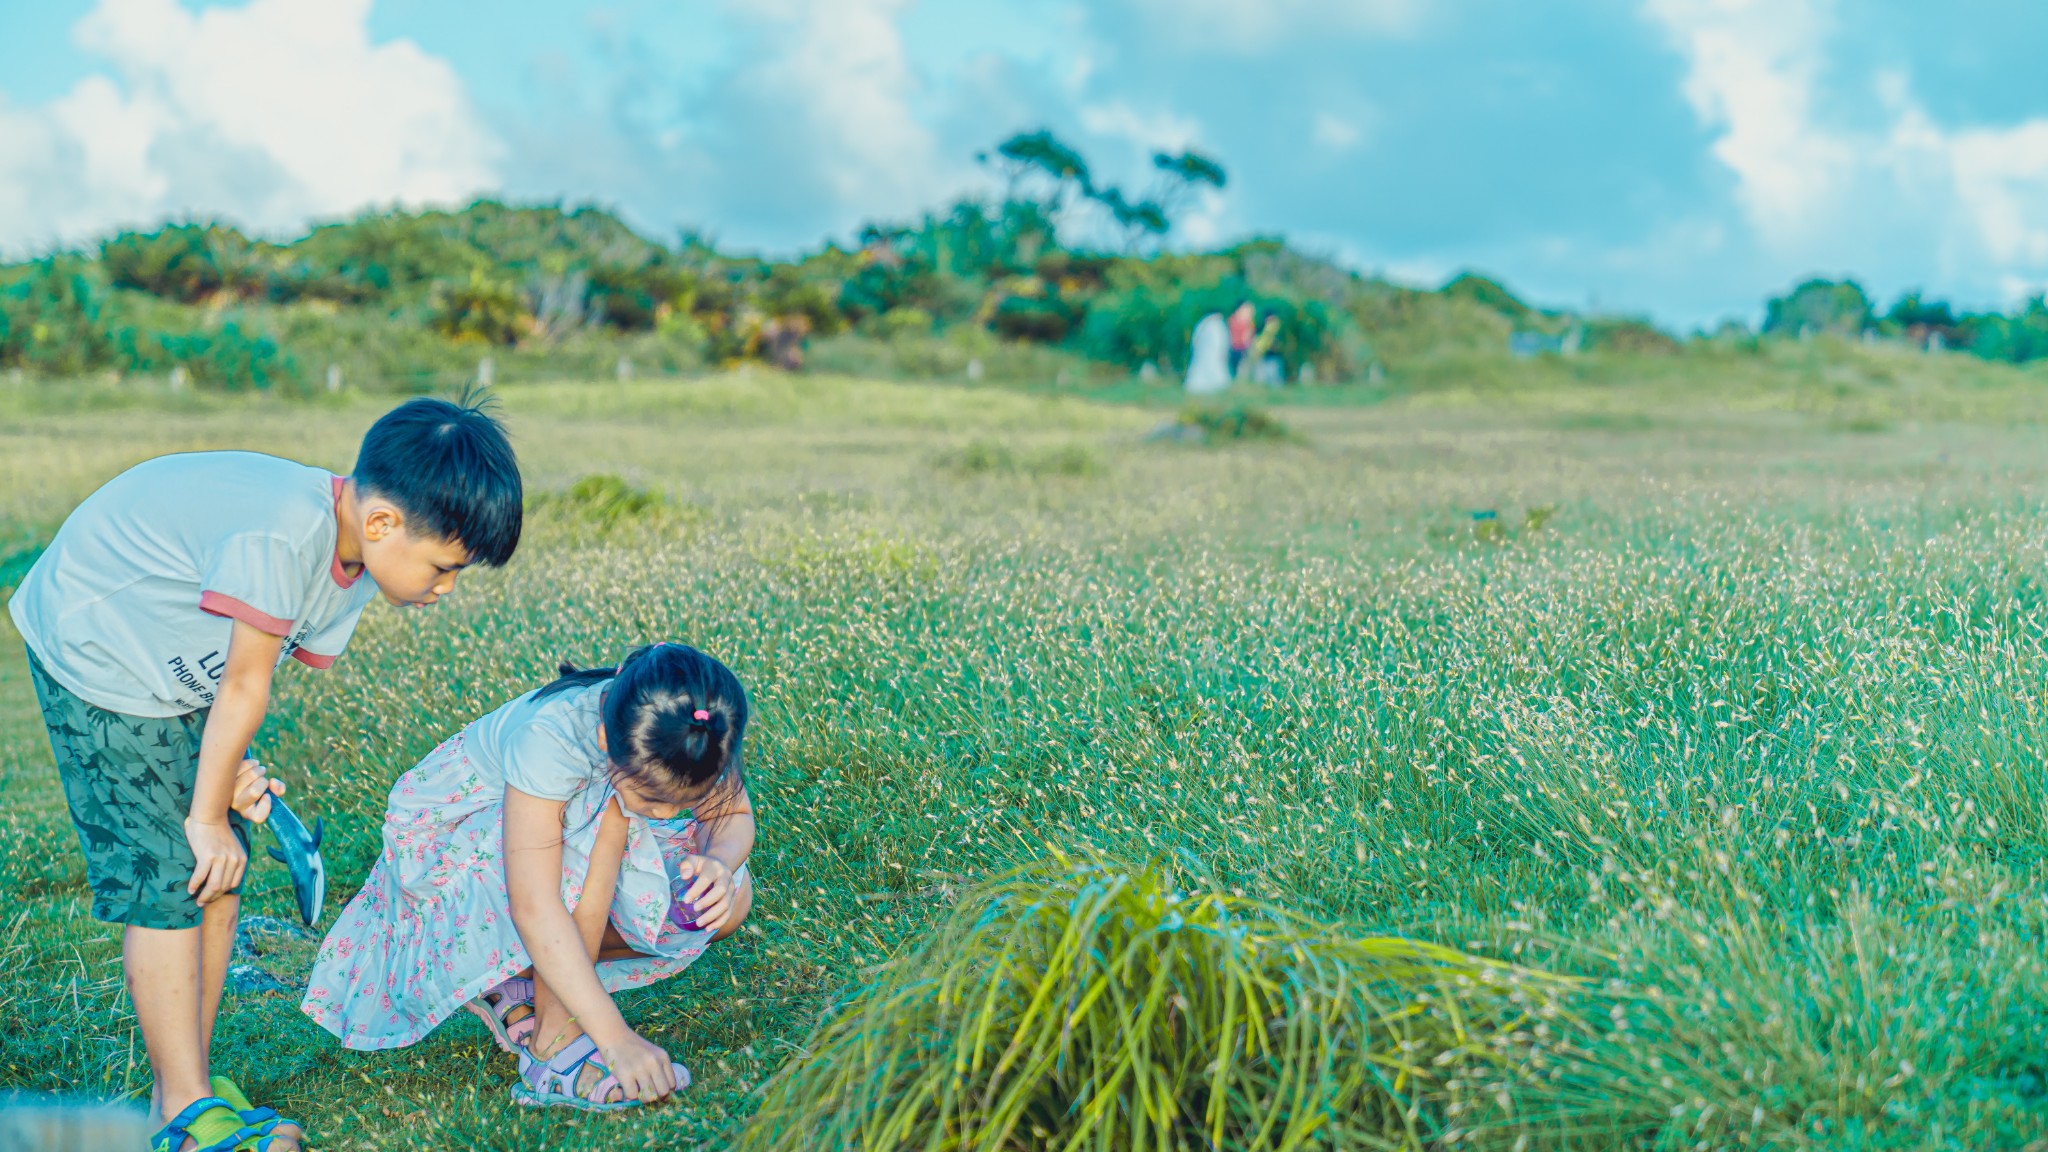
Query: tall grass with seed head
{"x":1081,"y":1004}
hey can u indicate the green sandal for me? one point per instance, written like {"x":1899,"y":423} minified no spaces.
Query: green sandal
{"x":259,"y":1125}
{"x":209,"y":1122}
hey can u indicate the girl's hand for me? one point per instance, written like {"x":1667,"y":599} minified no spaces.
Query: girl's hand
{"x":253,"y":790}
{"x":644,"y":1070}
{"x":711,"y":892}
{"x":220,"y":858}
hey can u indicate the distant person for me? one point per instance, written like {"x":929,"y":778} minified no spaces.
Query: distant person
{"x":155,"y":622}
{"x":1241,"y":324}
{"x":620,"y":786}
{"x":1268,"y":368}
{"x":1209,"y":357}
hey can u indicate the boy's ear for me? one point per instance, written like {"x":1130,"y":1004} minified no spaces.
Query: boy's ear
{"x":381,"y":521}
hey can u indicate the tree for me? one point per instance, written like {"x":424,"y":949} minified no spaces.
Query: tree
{"x":1179,"y":177}
{"x":1840,"y":307}
{"x":1137,"y":221}
{"x":1040,"y":153}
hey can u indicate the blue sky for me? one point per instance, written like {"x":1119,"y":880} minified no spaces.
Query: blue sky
{"x":1680,"y":158}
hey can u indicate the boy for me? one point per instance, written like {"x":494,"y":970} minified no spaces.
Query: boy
{"x":154,"y":622}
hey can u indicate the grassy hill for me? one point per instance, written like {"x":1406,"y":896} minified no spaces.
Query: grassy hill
{"x":406,"y":302}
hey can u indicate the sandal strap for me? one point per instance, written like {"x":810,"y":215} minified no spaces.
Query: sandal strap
{"x":178,"y":1129}
{"x":552,"y":1077}
{"x":511,"y":990}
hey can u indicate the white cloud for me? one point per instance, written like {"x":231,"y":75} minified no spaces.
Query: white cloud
{"x":1149,"y":132}
{"x":267,"y":114}
{"x":1255,"y":27}
{"x":1831,"y":193}
{"x":833,"y":80}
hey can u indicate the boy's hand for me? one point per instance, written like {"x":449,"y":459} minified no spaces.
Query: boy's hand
{"x":644,"y":1070}
{"x":253,"y":790}
{"x":220,"y":857}
{"x":712,"y":891}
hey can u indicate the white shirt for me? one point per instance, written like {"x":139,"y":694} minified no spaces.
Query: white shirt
{"x":132,"y":605}
{"x":543,"y":747}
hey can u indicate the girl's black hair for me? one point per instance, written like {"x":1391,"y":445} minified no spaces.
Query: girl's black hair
{"x":652,"y":723}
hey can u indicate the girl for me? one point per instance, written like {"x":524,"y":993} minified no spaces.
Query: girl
{"x":589,"y":836}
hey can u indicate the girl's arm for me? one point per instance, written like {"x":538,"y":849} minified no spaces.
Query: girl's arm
{"x":562,"y":945}
{"x":728,"y":841}
{"x":729,"y":835}
{"x":593,"y":911}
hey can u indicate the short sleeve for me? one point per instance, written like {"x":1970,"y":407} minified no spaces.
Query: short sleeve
{"x":255,"y":578}
{"x":540,"y":763}
{"x":320,"y":649}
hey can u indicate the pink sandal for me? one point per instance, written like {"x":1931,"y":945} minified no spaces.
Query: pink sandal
{"x":544,"y":1083}
{"x":507,"y":1010}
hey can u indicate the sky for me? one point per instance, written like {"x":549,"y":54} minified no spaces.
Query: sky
{"x":1680,"y":159}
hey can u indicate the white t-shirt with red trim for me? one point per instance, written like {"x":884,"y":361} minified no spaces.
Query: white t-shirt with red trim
{"x":545,"y":747}
{"x":132,"y":605}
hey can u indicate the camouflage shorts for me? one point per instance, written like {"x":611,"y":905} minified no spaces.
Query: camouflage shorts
{"x":128,"y":780}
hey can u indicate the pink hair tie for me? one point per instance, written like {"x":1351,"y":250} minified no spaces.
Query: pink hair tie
{"x":702,"y":714}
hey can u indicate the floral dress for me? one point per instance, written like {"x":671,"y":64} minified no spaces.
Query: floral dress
{"x":432,"y":928}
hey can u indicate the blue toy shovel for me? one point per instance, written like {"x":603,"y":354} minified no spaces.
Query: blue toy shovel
{"x":299,"y":851}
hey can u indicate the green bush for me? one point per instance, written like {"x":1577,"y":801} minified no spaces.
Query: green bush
{"x":2015,"y":339}
{"x":1142,"y":324}
{"x":189,"y":263}
{"x":1487,"y":293}
{"x":233,"y":358}
{"x":1840,"y":307}
{"x":635,"y":298}
{"x":1037,"y":319}
{"x":602,"y":501}
{"x":482,"y":310}
{"x":1235,"y":422}
{"x":1630,"y":335}
{"x":1095,"y":1005}
{"x":50,"y":314}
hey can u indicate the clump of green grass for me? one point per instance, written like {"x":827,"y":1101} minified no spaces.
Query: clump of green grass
{"x":1077,"y":1004}
{"x":984,"y":456}
{"x":602,"y":500}
{"x":1236,"y":422}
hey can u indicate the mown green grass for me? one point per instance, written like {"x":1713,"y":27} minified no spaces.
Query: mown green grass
{"x":1749,"y":732}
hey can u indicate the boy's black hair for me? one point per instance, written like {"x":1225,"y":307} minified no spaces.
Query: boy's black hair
{"x":652,"y":726}
{"x":450,"y":469}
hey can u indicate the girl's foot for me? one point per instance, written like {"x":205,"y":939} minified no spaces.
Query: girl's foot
{"x":575,"y":1078}
{"x":507,"y":1010}
{"x":273,"y":1133}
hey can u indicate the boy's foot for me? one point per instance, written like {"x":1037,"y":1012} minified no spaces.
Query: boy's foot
{"x":507,"y":1010}
{"x":208,"y":1124}
{"x":574,"y":1077}
{"x":273,"y":1133}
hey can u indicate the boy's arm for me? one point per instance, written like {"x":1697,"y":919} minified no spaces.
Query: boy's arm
{"x":238,"y":706}
{"x":553,"y":938}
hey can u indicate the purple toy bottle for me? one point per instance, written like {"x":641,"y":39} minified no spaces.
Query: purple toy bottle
{"x":676,"y":840}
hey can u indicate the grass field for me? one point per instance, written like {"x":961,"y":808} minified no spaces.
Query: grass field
{"x":1737,"y":707}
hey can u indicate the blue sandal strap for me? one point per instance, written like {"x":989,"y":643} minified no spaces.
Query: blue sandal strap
{"x":178,"y":1129}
